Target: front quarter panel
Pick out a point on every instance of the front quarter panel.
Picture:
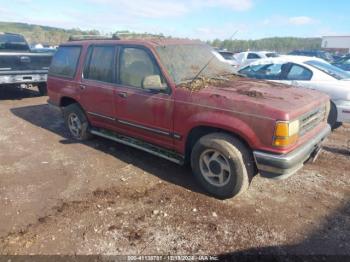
(191, 112)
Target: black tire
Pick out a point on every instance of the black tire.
(42, 89)
(74, 111)
(234, 153)
(333, 116)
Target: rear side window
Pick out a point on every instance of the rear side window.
(299, 73)
(100, 64)
(65, 61)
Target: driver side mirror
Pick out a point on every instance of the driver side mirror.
(153, 82)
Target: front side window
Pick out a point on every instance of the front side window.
(270, 71)
(65, 61)
(135, 65)
(100, 67)
(300, 73)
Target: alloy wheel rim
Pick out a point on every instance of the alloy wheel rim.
(74, 125)
(215, 167)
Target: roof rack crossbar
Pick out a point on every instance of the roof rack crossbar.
(138, 35)
(92, 37)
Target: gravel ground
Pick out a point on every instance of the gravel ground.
(58, 196)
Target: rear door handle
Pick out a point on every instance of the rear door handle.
(82, 87)
(123, 94)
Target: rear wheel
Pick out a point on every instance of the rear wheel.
(333, 116)
(76, 122)
(222, 164)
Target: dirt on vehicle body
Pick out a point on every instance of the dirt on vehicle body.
(60, 197)
(175, 99)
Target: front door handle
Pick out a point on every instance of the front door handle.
(123, 94)
(82, 87)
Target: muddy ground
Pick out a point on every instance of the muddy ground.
(58, 196)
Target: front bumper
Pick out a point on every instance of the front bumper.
(282, 166)
(343, 109)
(22, 79)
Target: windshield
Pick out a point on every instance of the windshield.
(344, 60)
(184, 62)
(329, 69)
(13, 42)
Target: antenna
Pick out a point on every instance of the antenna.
(233, 34)
(208, 63)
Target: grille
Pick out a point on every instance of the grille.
(312, 119)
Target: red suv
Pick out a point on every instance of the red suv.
(176, 100)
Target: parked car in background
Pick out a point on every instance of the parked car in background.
(313, 53)
(19, 66)
(226, 57)
(337, 57)
(174, 99)
(343, 63)
(245, 58)
(307, 72)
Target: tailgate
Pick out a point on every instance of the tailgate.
(24, 61)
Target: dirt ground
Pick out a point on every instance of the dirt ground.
(58, 196)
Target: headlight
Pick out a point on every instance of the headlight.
(286, 133)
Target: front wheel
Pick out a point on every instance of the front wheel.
(222, 164)
(76, 122)
(332, 117)
(42, 89)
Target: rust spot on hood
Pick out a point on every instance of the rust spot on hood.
(251, 93)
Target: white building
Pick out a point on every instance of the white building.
(336, 43)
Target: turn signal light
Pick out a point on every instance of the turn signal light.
(286, 133)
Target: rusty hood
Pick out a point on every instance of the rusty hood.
(262, 98)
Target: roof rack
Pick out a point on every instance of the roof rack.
(138, 35)
(117, 36)
(92, 37)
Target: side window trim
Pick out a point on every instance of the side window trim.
(87, 61)
(285, 71)
(88, 58)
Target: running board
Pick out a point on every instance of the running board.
(149, 148)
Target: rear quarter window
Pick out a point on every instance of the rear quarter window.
(65, 61)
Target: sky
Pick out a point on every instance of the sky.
(203, 19)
